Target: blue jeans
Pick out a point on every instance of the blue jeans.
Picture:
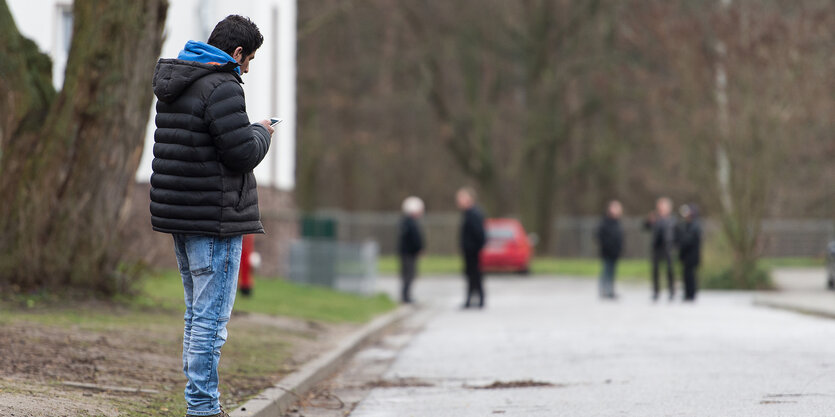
(209, 267)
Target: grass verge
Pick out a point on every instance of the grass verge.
(275, 297)
(137, 341)
(628, 269)
(451, 265)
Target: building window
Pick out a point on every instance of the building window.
(65, 27)
(61, 42)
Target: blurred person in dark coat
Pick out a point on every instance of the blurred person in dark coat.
(688, 238)
(661, 224)
(610, 239)
(472, 240)
(410, 244)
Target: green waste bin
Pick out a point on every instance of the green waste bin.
(318, 227)
(319, 233)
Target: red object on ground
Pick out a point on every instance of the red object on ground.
(245, 274)
(508, 248)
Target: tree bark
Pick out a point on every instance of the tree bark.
(68, 160)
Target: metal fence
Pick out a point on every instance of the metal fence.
(574, 236)
(344, 266)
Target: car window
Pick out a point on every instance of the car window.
(500, 233)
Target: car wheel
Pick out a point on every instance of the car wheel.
(524, 271)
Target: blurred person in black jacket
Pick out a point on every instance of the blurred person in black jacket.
(410, 245)
(472, 241)
(661, 224)
(610, 240)
(688, 238)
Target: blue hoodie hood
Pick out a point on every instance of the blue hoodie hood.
(173, 76)
(206, 54)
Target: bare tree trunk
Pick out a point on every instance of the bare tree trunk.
(744, 153)
(723, 163)
(538, 195)
(65, 180)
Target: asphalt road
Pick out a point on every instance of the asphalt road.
(719, 357)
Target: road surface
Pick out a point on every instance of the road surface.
(548, 347)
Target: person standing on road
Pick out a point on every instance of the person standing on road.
(661, 224)
(203, 190)
(688, 238)
(410, 245)
(472, 241)
(610, 240)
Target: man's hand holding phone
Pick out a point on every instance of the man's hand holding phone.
(271, 123)
(266, 123)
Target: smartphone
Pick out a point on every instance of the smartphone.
(274, 121)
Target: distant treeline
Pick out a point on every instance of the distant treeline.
(552, 108)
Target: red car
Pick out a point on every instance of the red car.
(508, 247)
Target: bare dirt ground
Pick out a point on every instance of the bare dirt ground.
(49, 369)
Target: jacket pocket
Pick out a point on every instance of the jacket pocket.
(243, 194)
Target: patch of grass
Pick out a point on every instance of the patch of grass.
(168, 404)
(451, 265)
(720, 269)
(254, 357)
(91, 316)
(275, 297)
(628, 269)
(792, 262)
(160, 303)
(723, 279)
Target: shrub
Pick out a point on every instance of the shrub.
(721, 271)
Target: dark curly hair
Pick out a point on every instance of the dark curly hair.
(235, 31)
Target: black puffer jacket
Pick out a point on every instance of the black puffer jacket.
(204, 153)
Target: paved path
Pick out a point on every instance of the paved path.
(719, 357)
(802, 290)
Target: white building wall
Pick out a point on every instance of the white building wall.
(42, 21)
(270, 85)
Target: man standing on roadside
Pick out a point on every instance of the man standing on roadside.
(662, 224)
(610, 239)
(473, 240)
(688, 238)
(203, 190)
(410, 245)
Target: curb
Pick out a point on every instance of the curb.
(273, 401)
(794, 308)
